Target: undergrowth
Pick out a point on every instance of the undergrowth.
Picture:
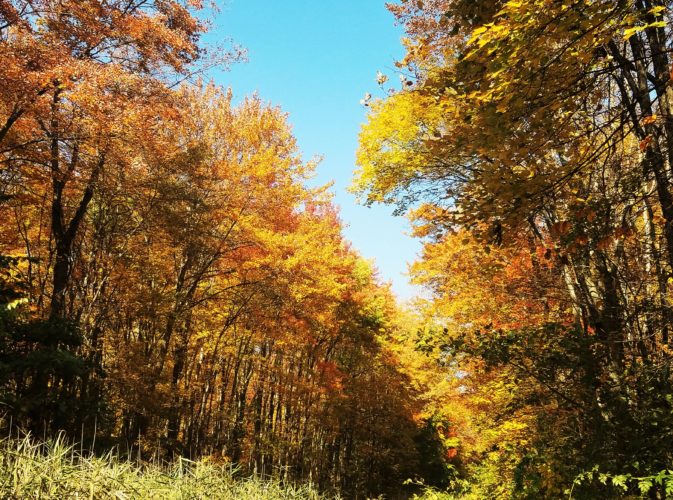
(56, 469)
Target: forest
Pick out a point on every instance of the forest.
(181, 315)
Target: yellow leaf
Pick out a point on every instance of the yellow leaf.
(628, 33)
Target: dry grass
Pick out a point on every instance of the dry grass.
(57, 470)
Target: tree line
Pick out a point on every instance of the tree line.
(532, 144)
(169, 284)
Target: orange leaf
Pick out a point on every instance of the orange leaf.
(649, 120)
(645, 143)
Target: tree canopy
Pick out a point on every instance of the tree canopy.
(531, 145)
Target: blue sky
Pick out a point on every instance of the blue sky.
(316, 59)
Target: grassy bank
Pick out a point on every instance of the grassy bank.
(57, 470)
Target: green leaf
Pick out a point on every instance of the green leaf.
(620, 481)
(644, 485)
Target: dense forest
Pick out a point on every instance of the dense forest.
(533, 147)
(174, 288)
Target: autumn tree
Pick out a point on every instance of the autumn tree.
(169, 282)
(76, 76)
(538, 133)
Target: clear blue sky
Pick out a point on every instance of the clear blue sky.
(317, 59)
